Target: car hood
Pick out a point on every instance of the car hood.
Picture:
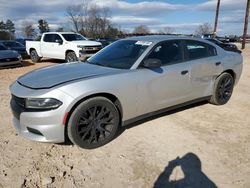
(18, 49)
(87, 43)
(8, 54)
(52, 76)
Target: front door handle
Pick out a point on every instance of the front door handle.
(217, 63)
(184, 72)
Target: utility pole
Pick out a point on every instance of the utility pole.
(245, 26)
(216, 18)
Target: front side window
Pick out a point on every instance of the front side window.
(73, 37)
(121, 54)
(167, 52)
(197, 50)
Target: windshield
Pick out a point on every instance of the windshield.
(121, 54)
(12, 44)
(73, 37)
(2, 47)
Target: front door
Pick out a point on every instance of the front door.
(167, 85)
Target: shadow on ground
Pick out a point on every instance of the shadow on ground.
(192, 170)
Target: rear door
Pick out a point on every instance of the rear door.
(205, 67)
(47, 49)
(165, 86)
(51, 48)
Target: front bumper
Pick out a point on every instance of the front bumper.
(10, 63)
(37, 125)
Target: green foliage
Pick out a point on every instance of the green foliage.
(43, 26)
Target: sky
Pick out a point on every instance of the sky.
(182, 15)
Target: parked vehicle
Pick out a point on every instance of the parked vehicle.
(23, 40)
(106, 41)
(62, 45)
(13, 45)
(9, 57)
(225, 46)
(128, 80)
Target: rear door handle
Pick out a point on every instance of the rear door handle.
(217, 63)
(184, 72)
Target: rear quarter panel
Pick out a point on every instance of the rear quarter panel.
(35, 45)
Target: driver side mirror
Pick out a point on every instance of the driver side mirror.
(152, 63)
(60, 42)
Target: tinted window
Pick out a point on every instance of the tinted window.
(168, 52)
(73, 37)
(121, 54)
(2, 47)
(48, 38)
(56, 37)
(196, 50)
(51, 37)
(12, 44)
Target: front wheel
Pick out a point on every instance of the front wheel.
(71, 57)
(34, 56)
(223, 89)
(93, 123)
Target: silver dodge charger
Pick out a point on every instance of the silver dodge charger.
(128, 80)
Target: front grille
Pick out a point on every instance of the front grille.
(8, 59)
(19, 101)
(92, 48)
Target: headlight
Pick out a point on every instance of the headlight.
(42, 103)
(19, 57)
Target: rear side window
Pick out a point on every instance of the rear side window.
(48, 38)
(197, 50)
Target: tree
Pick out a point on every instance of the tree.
(202, 29)
(2, 26)
(43, 26)
(28, 29)
(75, 14)
(141, 29)
(168, 30)
(60, 29)
(91, 20)
(10, 28)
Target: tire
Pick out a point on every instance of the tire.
(223, 89)
(93, 123)
(34, 56)
(71, 57)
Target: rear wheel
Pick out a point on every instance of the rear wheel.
(223, 89)
(71, 57)
(93, 123)
(34, 56)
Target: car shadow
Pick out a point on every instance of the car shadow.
(191, 167)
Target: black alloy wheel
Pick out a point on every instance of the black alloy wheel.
(93, 123)
(224, 85)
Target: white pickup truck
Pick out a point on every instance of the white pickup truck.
(62, 45)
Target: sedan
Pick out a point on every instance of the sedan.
(9, 57)
(225, 46)
(128, 80)
(13, 45)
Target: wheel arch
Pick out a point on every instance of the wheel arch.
(67, 51)
(231, 72)
(109, 96)
(31, 49)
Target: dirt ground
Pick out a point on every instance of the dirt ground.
(200, 144)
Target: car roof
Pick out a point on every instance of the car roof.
(159, 38)
(60, 33)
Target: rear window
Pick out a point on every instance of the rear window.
(197, 50)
